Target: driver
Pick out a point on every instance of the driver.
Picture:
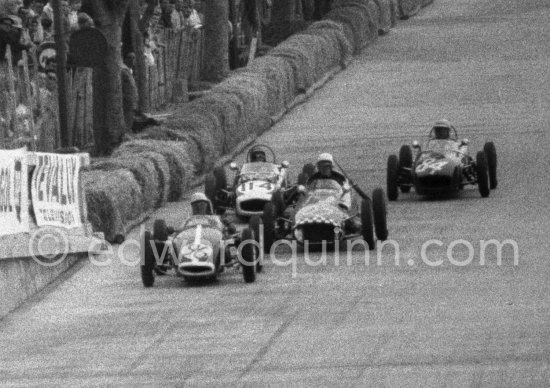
(201, 205)
(442, 130)
(325, 169)
(257, 156)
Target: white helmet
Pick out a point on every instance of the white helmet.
(325, 158)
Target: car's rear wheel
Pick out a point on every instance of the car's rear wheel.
(255, 225)
(367, 227)
(248, 258)
(491, 153)
(482, 174)
(302, 178)
(391, 178)
(379, 213)
(269, 218)
(210, 188)
(405, 161)
(148, 260)
(308, 169)
(160, 230)
(278, 202)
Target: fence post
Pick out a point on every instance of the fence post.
(30, 99)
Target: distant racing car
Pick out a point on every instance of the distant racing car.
(442, 167)
(201, 248)
(254, 183)
(325, 209)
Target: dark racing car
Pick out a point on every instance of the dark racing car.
(442, 167)
(324, 209)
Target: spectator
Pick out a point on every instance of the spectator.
(11, 33)
(129, 90)
(169, 16)
(74, 8)
(192, 17)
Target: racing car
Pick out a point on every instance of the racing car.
(201, 248)
(254, 183)
(325, 210)
(442, 167)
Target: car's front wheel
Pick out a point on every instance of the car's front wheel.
(248, 259)
(367, 227)
(482, 174)
(255, 224)
(147, 260)
(269, 218)
(391, 177)
(491, 153)
(379, 213)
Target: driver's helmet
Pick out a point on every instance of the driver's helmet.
(325, 163)
(442, 129)
(201, 205)
(257, 155)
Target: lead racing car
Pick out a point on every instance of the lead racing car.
(443, 167)
(254, 184)
(201, 248)
(325, 209)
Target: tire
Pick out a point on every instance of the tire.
(148, 264)
(278, 203)
(221, 178)
(491, 153)
(210, 188)
(405, 161)
(379, 213)
(482, 174)
(248, 257)
(269, 219)
(160, 230)
(308, 169)
(254, 225)
(367, 227)
(302, 179)
(391, 178)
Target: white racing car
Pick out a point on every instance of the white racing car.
(253, 186)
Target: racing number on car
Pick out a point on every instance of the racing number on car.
(431, 164)
(264, 185)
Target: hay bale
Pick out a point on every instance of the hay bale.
(335, 32)
(144, 172)
(385, 16)
(163, 173)
(408, 8)
(357, 20)
(252, 92)
(279, 80)
(293, 51)
(113, 198)
(176, 155)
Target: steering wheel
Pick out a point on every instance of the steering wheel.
(260, 147)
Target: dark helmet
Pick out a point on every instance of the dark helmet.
(442, 129)
(257, 156)
(200, 204)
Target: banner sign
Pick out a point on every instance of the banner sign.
(14, 197)
(55, 190)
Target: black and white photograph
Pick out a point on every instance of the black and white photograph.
(274, 193)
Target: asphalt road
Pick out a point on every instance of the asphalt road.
(484, 65)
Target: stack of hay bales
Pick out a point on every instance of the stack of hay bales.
(159, 166)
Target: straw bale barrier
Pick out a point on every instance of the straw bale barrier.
(163, 161)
